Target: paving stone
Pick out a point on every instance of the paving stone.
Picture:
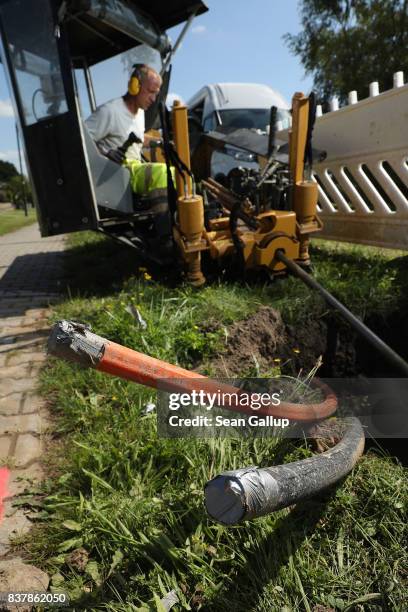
(37, 323)
(22, 321)
(4, 448)
(18, 576)
(30, 343)
(35, 369)
(29, 328)
(19, 385)
(24, 479)
(13, 509)
(11, 403)
(13, 308)
(37, 313)
(24, 356)
(12, 527)
(28, 447)
(32, 402)
(23, 423)
(15, 372)
(11, 321)
(8, 508)
(15, 522)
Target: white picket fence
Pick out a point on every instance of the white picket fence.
(363, 182)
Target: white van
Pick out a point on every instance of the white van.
(240, 105)
(237, 105)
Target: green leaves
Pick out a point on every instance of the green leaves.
(72, 525)
(69, 544)
(92, 570)
(116, 561)
(334, 47)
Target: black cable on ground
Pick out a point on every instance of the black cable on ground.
(251, 492)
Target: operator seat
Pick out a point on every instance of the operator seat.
(111, 182)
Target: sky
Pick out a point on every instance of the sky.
(235, 41)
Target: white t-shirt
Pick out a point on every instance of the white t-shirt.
(111, 124)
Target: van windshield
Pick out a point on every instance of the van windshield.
(257, 118)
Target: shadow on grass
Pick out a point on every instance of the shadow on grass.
(99, 266)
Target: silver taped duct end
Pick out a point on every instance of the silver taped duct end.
(75, 342)
(238, 495)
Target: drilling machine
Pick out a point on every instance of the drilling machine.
(240, 219)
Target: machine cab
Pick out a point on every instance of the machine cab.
(42, 43)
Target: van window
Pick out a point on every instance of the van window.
(209, 123)
(197, 111)
(257, 118)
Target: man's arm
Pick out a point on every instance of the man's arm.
(98, 123)
(151, 135)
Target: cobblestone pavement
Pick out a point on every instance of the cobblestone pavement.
(30, 280)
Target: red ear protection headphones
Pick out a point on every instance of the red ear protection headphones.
(135, 80)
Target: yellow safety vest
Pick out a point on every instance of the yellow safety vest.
(147, 178)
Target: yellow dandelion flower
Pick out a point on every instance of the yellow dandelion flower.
(296, 350)
(277, 360)
(147, 276)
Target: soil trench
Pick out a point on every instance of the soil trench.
(264, 341)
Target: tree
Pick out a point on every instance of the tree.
(7, 170)
(347, 44)
(18, 190)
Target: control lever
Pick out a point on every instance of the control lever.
(119, 155)
(131, 139)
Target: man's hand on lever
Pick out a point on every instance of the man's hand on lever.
(119, 155)
(116, 155)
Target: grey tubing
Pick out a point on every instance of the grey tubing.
(358, 325)
(248, 493)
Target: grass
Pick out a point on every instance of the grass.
(11, 220)
(134, 501)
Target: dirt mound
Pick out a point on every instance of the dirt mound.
(264, 341)
(255, 340)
